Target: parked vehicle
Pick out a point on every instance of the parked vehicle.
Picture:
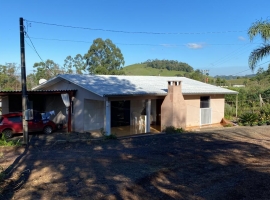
(12, 123)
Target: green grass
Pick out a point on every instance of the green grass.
(239, 81)
(141, 69)
(5, 142)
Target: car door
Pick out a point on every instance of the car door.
(36, 123)
(15, 122)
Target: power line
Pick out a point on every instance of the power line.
(136, 32)
(164, 45)
(37, 52)
(34, 47)
(249, 68)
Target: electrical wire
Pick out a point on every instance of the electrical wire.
(34, 47)
(37, 52)
(249, 68)
(171, 45)
(136, 32)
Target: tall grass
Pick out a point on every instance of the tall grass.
(5, 142)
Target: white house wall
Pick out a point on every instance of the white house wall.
(77, 119)
(136, 108)
(93, 115)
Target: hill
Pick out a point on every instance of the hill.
(143, 70)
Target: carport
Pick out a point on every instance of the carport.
(11, 101)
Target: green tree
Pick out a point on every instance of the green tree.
(76, 64)
(197, 75)
(68, 64)
(47, 69)
(9, 77)
(104, 57)
(263, 29)
(79, 63)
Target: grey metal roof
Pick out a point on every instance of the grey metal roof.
(113, 85)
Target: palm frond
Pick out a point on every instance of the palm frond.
(257, 55)
(260, 27)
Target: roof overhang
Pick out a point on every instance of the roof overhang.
(38, 92)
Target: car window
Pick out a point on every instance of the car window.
(1, 119)
(15, 119)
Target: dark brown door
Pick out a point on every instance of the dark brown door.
(158, 109)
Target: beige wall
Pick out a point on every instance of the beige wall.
(173, 108)
(217, 103)
(193, 110)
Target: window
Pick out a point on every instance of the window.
(205, 102)
(15, 119)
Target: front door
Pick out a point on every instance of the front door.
(158, 111)
(120, 113)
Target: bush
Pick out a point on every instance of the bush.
(229, 111)
(110, 137)
(4, 142)
(248, 118)
(172, 129)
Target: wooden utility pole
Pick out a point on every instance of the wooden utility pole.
(23, 80)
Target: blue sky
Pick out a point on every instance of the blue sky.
(207, 34)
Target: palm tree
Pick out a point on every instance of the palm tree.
(262, 28)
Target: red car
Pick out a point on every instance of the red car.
(12, 123)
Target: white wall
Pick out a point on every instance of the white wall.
(77, 117)
(93, 115)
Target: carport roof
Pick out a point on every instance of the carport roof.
(118, 85)
(4, 93)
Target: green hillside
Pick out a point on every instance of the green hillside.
(239, 81)
(143, 70)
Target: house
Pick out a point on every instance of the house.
(142, 103)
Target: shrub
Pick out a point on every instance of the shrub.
(229, 111)
(248, 118)
(5, 142)
(172, 129)
(110, 137)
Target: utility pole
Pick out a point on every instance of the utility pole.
(23, 80)
(205, 72)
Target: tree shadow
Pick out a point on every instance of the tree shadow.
(175, 166)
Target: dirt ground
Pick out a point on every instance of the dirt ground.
(225, 163)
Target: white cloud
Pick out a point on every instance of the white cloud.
(241, 38)
(194, 46)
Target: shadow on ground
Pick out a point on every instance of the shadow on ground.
(212, 165)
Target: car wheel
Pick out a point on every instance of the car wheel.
(7, 133)
(47, 130)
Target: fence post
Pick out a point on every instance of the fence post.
(236, 105)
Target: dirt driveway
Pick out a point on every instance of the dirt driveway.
(228, 163)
